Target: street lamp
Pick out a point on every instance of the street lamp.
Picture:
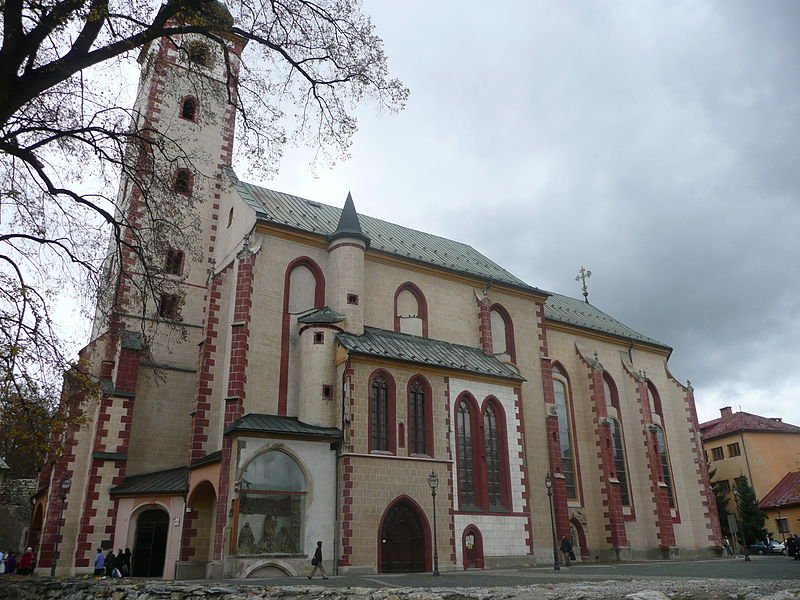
(65, 485)
(433, 483)
(548, 483)
(780, 523)
(744, 537)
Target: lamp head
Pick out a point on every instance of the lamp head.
(548, 482)
(433, 480)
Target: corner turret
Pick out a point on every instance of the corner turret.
(346, 247)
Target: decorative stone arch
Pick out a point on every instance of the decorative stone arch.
(472, 547)
(422, 305)
(418, 546)
(270, 568)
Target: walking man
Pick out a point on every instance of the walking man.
(317, 562)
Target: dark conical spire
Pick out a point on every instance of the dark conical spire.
(349, 225)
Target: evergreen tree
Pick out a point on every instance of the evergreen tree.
(751, 518)
(722, 497)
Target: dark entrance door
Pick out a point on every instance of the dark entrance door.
(403, 544)
(473, 548)
(150, 547)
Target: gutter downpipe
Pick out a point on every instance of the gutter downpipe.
(336, 531)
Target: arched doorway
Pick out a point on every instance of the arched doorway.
(578, 539)
(472, 546)
(150, 547)
(199, 522)
(405, 540)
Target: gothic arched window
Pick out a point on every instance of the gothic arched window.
(381, 412)
(465, 453)
(410, 310)
(420, 417)
(272, 496)
(617, 438)
(564, 416)
(495, 452)
(666, 470)
(502, 333)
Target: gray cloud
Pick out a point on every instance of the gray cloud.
(656, 143)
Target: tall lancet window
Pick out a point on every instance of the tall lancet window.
(420, 417)
(465, 454)
(564, 416)
(666, 470)
(617, 438)
(379, 413)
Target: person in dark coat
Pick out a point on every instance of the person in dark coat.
(566, 549)
(11, 563)
(110, 563)
(119, 561)
(128, 560)
(317, 562)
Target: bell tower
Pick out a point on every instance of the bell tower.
(144, 342)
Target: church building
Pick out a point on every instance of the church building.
(344, 379)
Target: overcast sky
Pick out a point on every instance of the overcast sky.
(656, 143)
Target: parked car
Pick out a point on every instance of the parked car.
(773, 548)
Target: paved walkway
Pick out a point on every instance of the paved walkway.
(771, 568)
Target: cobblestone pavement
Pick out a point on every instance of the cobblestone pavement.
(763, 578)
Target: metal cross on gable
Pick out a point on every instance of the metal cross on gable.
(583, 275)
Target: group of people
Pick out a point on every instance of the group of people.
(110, 565)
(10, 565)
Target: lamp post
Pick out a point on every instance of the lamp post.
(433, 483)
(65, 485)
(548, 483)
(744, 537)
(780, 523)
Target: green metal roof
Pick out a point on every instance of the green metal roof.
(278, 425)
(424, 351)
(582, 314)
(169, 482)
(208, 459)
(298, 213)
(322, 315)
